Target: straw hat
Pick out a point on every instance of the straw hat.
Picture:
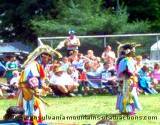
(58, 69)
(139, 58)
(39, 51)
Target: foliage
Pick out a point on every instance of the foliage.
(15, 17)
(87, 17)
(144, 10)
(26, 20)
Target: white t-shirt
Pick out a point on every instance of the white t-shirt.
(64, 79)
(73, 43)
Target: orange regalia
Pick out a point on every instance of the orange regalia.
(31, 86)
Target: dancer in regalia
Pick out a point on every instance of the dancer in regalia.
(32, 84)
(127, 100)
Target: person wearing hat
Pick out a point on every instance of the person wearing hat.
(32, 83)
(72, 42)
(62, 83)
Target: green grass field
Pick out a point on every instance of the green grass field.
(99, 105)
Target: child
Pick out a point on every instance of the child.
(73, 73)
(12, 88)
(156, 73)
(109, 78)
(145, 81)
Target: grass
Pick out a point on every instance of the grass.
(99, 105)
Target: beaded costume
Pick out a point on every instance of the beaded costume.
(127, 100)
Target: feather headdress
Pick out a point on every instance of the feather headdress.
(39, 50)
(127, 47)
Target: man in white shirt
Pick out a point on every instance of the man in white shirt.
(72, 42)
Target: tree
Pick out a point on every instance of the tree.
(27, 19)
(87, 17)
(144, 10)
(16, 17)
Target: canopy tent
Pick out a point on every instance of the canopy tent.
(155, 51)
(14, 47)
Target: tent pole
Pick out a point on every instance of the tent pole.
(104, 42)
(158, 53)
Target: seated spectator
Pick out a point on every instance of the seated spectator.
(93, 75)
(96, 65)
(62, 83)
(108, 55)
(65, 64)
(83, 84)
(139, 64)
(145, 82)
(12, 88)
(90, 55)
(78, 63)
(109, 78)
(14, 83)
(73, 73)
(54, 65)
(145, 59)
(74, 56)
(87, 67)
(155, 74)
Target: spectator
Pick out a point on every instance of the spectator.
(87, 67)
(78, 63)
(72, 42)
(96, 65)
(139, 64)
(90, 55)
(156, 73)
(12, 88)
(11, 66)
(65, 63)
(109, 78)
(145, 81)
(73, 73)
(108, 55)
(83, 83)
(62, 84)
(74, 56)
(145, 59)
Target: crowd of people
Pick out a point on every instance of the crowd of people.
(9, 69)
(78, 74)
